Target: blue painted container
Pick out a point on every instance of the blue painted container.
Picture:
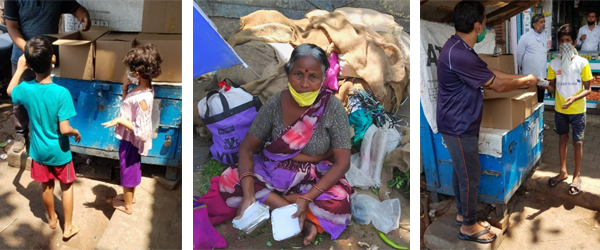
(501, 177)
(97, 102)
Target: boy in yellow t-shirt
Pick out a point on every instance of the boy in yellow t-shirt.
(569, 77)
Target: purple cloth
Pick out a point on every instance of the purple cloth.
(461, 75)
(130, 163)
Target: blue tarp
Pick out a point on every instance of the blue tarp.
(211, 52)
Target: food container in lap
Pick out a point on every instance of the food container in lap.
(254, 216)
(284, 227)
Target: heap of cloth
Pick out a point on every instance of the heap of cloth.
(371, 46)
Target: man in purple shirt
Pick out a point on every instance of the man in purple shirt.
(461, 78)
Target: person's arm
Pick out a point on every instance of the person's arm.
(337, 171)
(521, 46)
(11, 15)
(16, 79)
(586, 91)
(579, 41)
(124, 122)
(504, 82)
(259, 131)
(551, 77)
(83, 16)
(67, 130)
(333, 175)
(249, 146)
(15, 34)
(125, 88)
(586, 76)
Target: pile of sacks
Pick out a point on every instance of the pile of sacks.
(266, 39)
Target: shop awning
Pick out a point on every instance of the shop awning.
(496, 11)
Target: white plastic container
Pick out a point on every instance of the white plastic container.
(543, 83)
(284, 227)
(254, 216)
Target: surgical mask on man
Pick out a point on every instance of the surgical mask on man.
(481, 36)
(567, 51)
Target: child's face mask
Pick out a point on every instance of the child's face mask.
(133, 80)
(567, 51)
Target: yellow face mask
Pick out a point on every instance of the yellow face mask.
(303, 99)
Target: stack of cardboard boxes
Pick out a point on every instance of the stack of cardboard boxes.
(98, 53)
(506, 110)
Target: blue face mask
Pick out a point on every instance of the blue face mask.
(480, 37)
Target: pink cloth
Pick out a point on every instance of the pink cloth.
(141, 136)
(331, 82)
(218, 211)
(205, 235)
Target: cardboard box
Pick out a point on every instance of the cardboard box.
(77, 53)
(490, 94)
(162, 16)
(508, 113)
(170, 49)
(110, 51)
(118, 15)
(504, 63)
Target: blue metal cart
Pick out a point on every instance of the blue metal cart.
(98, 101)
(502, 174)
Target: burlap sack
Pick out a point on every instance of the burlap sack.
(258, 55)
(384, 63)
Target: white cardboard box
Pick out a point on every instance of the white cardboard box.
(118, 15)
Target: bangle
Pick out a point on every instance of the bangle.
(304, 198)
(246, 175)
(321, 190)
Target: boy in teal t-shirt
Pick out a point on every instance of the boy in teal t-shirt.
(49, 107)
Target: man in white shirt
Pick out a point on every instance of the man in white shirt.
(532, 50)
(589, 35)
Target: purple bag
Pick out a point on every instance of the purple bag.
(229, 127)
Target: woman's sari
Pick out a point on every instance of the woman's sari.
(275, 171)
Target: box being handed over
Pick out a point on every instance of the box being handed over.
(508, 113)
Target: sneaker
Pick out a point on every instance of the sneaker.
(19, 143)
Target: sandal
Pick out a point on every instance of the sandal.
(459, 223)
(553, 182)
(475, 237)
(577, 188)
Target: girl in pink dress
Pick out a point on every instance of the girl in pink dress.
(134, 124)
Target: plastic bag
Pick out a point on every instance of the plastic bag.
(365, 168)
(394, 139)
(384, 215)
(235, 97)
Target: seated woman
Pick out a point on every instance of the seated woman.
(306, 151)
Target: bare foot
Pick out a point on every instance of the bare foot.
(72, 231)
(476, 228)
(311, 230)
(482, 222)
(120, 198)
(120, 205)
(52, 221)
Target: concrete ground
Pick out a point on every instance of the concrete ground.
(156, 222)
(542, 217)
